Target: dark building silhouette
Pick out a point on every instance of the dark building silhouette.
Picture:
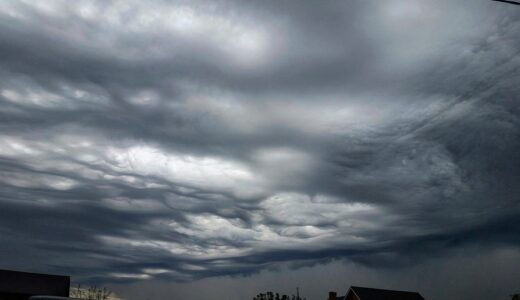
(362, 293)
(16, 285)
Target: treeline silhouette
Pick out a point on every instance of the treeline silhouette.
(91, 293)
(276, 296)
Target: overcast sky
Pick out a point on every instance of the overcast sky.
(217, 149)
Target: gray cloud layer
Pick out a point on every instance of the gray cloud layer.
(184, 140)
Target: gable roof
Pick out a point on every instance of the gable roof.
(378, 294)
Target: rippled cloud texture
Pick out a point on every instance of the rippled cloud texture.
(183, 140)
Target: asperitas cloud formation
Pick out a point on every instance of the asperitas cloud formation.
(181, 140)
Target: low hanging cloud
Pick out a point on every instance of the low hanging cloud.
(186, 140)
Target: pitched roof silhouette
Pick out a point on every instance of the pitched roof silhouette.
(364, 293)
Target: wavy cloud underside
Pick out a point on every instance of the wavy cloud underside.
(186, 140)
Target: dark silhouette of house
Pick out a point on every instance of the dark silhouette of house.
(362, 293)
(16, 285)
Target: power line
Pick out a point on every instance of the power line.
(507, 1)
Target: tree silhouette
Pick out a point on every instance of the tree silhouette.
(90, 293)
(269, 295)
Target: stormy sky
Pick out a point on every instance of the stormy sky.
(217, 149)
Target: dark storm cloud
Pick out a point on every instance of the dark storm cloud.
(184, 140)
(453, 277)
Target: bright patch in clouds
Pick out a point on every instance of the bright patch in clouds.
(191, 170)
